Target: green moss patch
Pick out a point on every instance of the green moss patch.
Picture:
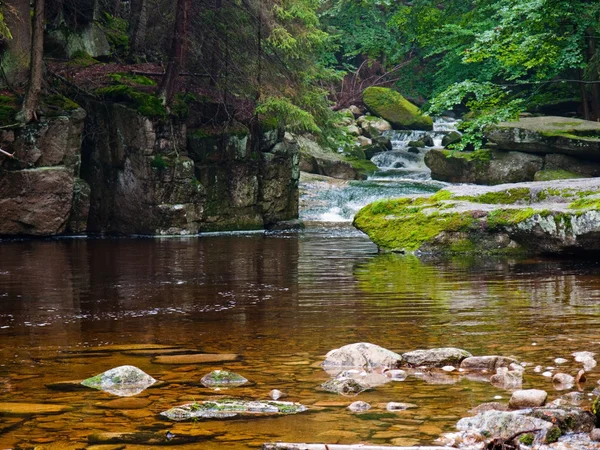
(482, 155)
(391, 106)
(549, 175)
(59, 102)
(131, 79)
(507, 197)
(586, 203)
(147, 105)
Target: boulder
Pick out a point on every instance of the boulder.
(344, 386)
(528, 398)
(124, 381)
(558, 217)
(435, 357)
(362, 355)
(364, 141)
(451, 138)
(353, 130)
(391, 106)
(490, 363)
(570, 164)
(373, 126)
(222, 378)
(562, 381)
(374, 149)
(560, 174)
(220, 409)
(355, 110)
(548, 134)
(383, 141)
(502, 424)
(489, 167)
(315, 159)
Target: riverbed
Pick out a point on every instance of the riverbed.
(73, 308)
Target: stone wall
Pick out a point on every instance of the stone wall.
(41, 193)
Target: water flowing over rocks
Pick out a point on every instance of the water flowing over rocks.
(218, 409)
(123, 381)
(560, 217)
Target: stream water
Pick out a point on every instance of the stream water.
(73, 308)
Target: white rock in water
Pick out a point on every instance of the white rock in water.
(276, 394)
(124, 381)
(547, 374)
(396, 374)
(582, 356)
(359, 406)
(538, 369)
(560, 360)
(448, 368)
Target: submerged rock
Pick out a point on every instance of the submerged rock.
(123, 381)
(344, 386)
(435, 357)
(560, 217)
(359, 406)
(507, 379)
(362, 355)
(219, 409)
(222, 378)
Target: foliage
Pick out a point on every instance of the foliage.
(147, 105)
(131, 79)
(283, 113)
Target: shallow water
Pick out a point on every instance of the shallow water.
(280, 302)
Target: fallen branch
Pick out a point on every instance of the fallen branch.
(10, 155)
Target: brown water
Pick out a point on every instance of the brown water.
(280, 302)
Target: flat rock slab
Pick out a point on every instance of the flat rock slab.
(125, 403)
(292, 446)
(435, 357)
(28, 409)
(199, 358)
(151, 437)
(220, 409)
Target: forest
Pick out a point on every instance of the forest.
(296, 62)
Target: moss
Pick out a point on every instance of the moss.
(180, 107)
(507, 197)
(527, 439)
(553, 434)
(9, 107)
(586, 203)
(146, 104)
(391, 106)
(482, 155)
(507, 217)
(82, 59)
(549, 175)
(441, 195)
(363, 166)
(131, 79)
(61, 102)
(115, 30)
(406, 224)
(160, 163)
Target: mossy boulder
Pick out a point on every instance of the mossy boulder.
(483, 166)
(318, 160)
(391, 106)
(225, 408)
(549, 134)
(558, 217)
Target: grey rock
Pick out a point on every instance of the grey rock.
(220, 409)
(399, 406)
(436, 357)
(507, 379)
(595, 435)
(527, 398)
(359, 406)
(486, 362)
(222, 378)
(344, 386)
(451, 138)
(124, 381)
(502, 424)
(563, 381)
(362, 355)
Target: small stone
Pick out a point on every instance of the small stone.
(359, 406)
(398, 406)
(547, 374)
(276, 394)
(124, 381)
(580, 377)
(222, 378)
(595, 435)
(538, 369)
(563, 381)
(448, 368)
(396, 374)
(527, 398)
(560, 360)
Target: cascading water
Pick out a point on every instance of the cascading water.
(402, 171)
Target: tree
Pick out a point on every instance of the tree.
(17, 39)
(34, 87)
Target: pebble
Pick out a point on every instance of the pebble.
(448, 368)
(359, 406)
(538, 369)
(547, 374)
(560, 360)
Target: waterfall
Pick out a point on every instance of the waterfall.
(402, 171)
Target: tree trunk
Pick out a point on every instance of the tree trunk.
(593, 76)
(15, 63)
(32, 95)
(167, 86)
(139, 15)
(584, 100)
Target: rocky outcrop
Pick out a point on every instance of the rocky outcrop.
(41, 193)
(391, 106)
(559, 217)
(549, 134)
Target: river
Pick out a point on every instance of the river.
(73, 308)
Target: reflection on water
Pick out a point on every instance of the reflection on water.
(280, 302)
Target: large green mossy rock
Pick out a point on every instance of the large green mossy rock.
(557, 217)
(391, 106)
(547, 135)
